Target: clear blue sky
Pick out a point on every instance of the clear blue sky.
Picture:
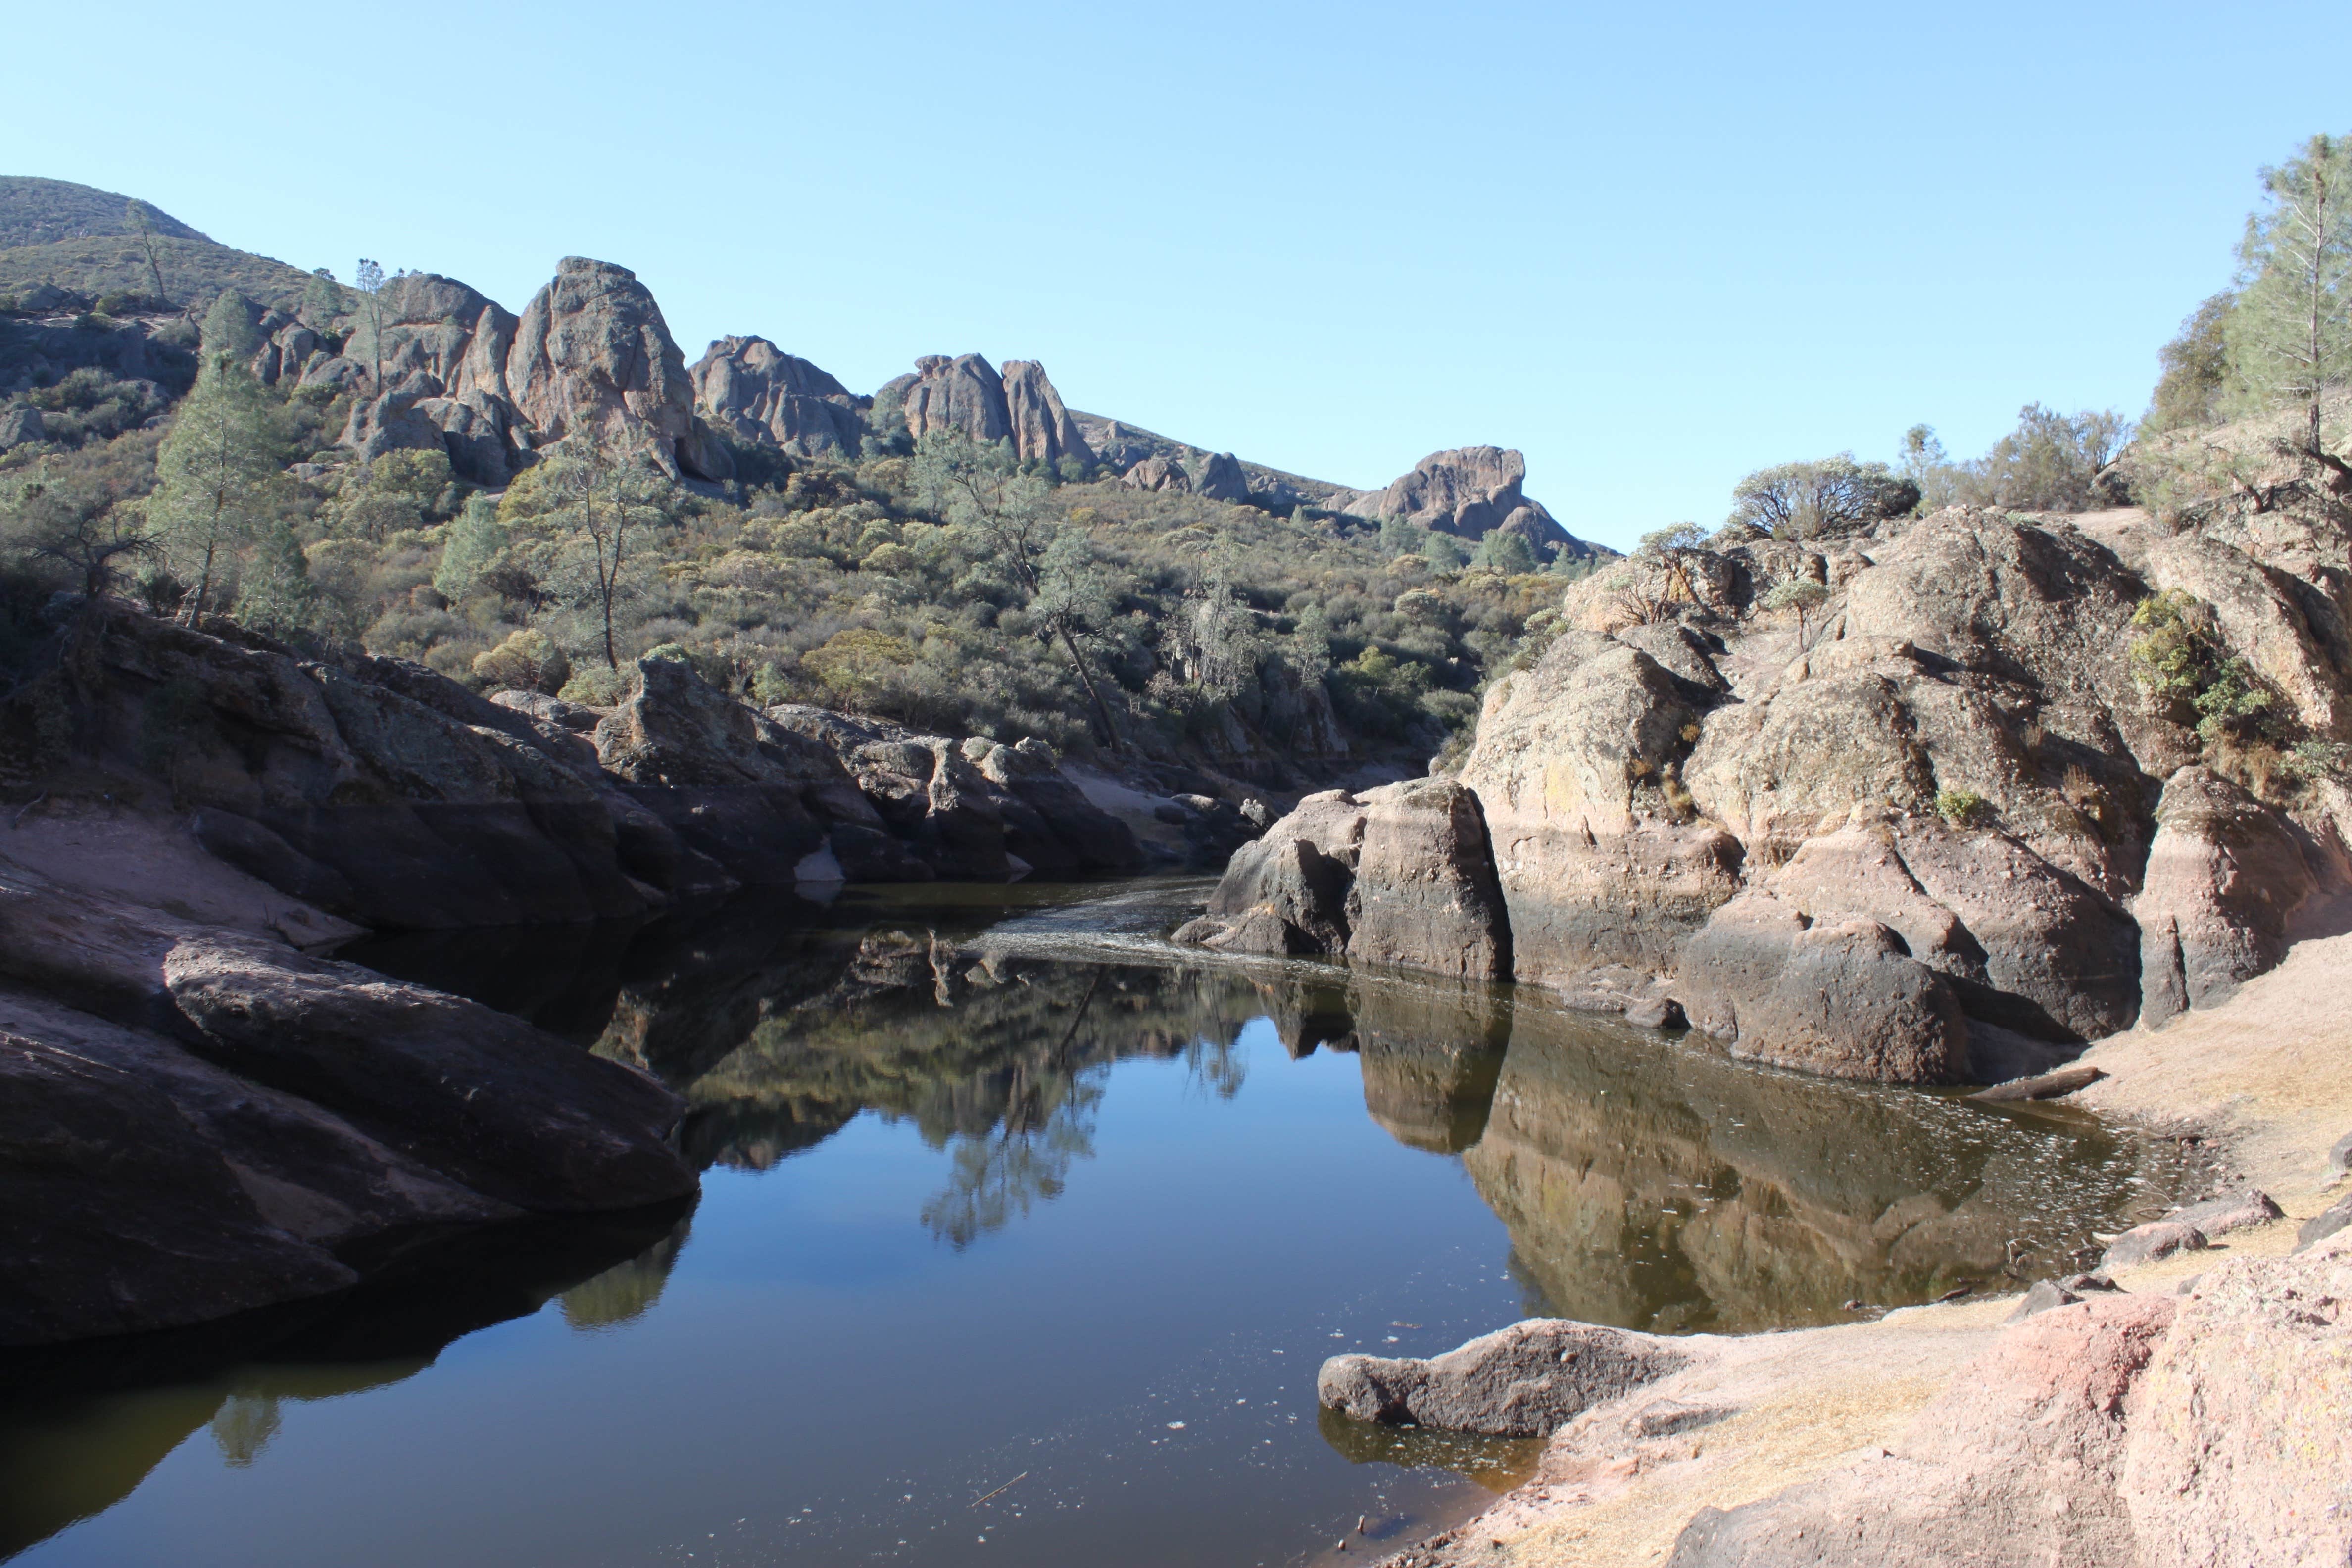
(1654, 247)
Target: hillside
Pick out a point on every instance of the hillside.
(83, 240)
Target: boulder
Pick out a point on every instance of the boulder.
(1157, 473)
(2151, 1242)
(2231, 1211)
(1401, 875)
(2015, 1465)
(21, 426)
(591, 352)
(2054, 1085)
(2224, 878)
(1843, 998)
(1526, 1381)
(1220, 478)
(758, 394)
(198, 1123)
(2043, 1295)
(1042, 430)
(2237, 1451)
(2329, 1221)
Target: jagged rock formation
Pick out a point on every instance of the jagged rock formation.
(1469, 493)
(590, 353)
(1935, 831)
(1019, 406)
(200, 1121)
(754, 389)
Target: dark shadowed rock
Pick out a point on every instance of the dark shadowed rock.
(1524, 1381)
(1220, 478)
(2337, 1216)
(2044, 1294)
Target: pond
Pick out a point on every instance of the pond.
(1022, 1237)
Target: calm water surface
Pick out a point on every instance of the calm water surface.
(1022, 1237)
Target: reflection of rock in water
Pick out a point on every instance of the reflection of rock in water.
(1429, 1052)
(1659, 1187)
(1498, 1463)
(626, 1291)
(243, 1426)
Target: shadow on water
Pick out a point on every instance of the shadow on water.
(1644, 1181)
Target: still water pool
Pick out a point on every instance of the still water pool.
(1020, 1239)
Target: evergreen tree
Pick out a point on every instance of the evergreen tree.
(2290, 336)
(217, 475)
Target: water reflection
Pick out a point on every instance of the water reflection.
(1645, 1183)
(1642, 1181)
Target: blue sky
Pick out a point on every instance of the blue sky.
(1654, 247)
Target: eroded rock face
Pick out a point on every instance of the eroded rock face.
(761, 393)
(1043, 429)
(452, 370)
(2225, 878)
(1468, 492)
(1400, 875)
(1524, 1381)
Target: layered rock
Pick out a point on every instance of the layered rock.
(590, 353)
(2225, 877)
(1401, 875)
(758, 394)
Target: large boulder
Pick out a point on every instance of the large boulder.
(757, 392)
(1220, 478)
(2225, 877)
(1042, 430)
(200, 1122)
(1526, 1381)
(1403, 875)
(592, 352)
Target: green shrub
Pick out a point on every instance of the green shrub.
(528, 660)
(1963, 807)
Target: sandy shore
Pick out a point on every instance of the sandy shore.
(2263, 1078)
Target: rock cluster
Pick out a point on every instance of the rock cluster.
(1018, 407)
(1933, 831)
(759, 394)
(453, 371)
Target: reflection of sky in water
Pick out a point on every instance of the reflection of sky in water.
(1004, 1255)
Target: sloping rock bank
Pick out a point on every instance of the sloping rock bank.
(1897, 806)
(197, 1122)
(2125, 1429)
(388, 796)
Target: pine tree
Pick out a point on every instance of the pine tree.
(2290, 336)
(218, 474)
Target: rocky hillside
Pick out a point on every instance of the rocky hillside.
(1936, 800)
(85, 245)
